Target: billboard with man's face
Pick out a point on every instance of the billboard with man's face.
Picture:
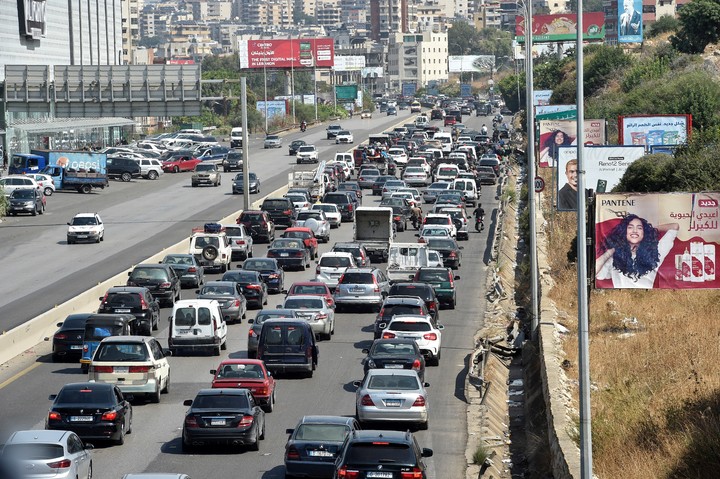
(630, 22)
(657, 240)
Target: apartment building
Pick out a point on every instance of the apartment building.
(417, 58)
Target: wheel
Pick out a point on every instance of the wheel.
(166, 389)
(90, 471)
(85, 189)
(129, 429)
(155, 397)
(255, 446)
(262, 432)
(185, 446)
(126, 177)
(194, 185)
(56, 358)
(223, 346)
(48, 191)
(155, 325)
(423, 426)
(176, 169)
(216, 351)
(270, 406)
(225, 170)
(98, 239)
(121, 439)
(152, 175)
(34, 212)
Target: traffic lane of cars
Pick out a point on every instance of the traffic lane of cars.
(155, 445)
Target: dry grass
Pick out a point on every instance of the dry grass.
(656, 395)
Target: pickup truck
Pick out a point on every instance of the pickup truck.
(211, 247)
(374, 229)
(206, 174)
(404, 260)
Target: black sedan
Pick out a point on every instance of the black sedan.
(449, 249)
(423, 291)
(289, 253)
(67, 342)
(91, 410)
(253, 287)
(377, 186)
(394, 353)
(293, 148)
(314, 443)
(269, 270)
(225, 416)
(239, 188)
(187, 267)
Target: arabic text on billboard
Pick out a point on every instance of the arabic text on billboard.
(654, 130)
(272, 107)
(295, 53)
(348, 63)
(558, 28)
(657, 240)
(630, 21)
(408, 89)
(556, 133)
(470, 63)
(541, 97)
(556, 112)
(604, 167)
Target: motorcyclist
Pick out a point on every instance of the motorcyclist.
(416, 215)
(303, 125)
(484, 130)
(479, 214)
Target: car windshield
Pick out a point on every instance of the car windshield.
(326, 208)
(309, 289)
(322, 432)
(23, 194)
(221, 401)
(439, 243)
(303, 303)
(391, 381)
(437, 220)
(259, 265)
(277, 204)
(305, 215)
(84, 221)
(335, 262)
(85, 395)
(121, 352)
(241, 371)
(357, 278)
(178, 259)
(218, 290)
(391, 349)
(33, 452)
(205, 167)
(251, 217)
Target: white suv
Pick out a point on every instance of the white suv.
(211, 247)
(150, 168)
(426, 333)
(307, 153)
(86, 227)
(332, 266)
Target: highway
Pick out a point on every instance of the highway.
(144, 217)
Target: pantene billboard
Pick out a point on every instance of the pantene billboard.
(657, 240)
(295, 53)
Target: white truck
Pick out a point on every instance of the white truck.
(236, 137)
(310, 180)
(374, 229)
(404, 259)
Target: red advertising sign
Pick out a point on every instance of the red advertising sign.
(563, 27)
(657, 240)
(295, 53)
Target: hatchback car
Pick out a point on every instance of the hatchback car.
(224, 416)
(332, 266)
(360, 287)
(361, 255)
(257, 322)
(67, 342)
(315, 310)
(134, 300)
(422, 291)
(398, 305)
(395, 395)
(42, 454)
(290, 253)
(443, 282)
(259, 224)
(332, 131)
(187, 267)
(270, 271)
(332, 212)
(294, 145)
(306, 235)
(422, 329)
(314, 443)
(161, 279)
(311, 288)
(279, 209)
(449, 249)
(26, 201)
(249, 374)
(233, 161)
(86, 227)
(92, 411)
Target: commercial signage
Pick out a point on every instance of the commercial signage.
(465, 90)
(32, 18)
(657, 240)
(471, 63)
(556, 133)
(604, 167)
(272, 108)
(541, 97)
(654, 130)
(372, 72)
(295, 53)
(348, 63)
(544, 112)
(561, 28)
(346, 92)
(630, 21)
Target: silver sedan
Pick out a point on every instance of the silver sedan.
(395, 395)
(229, 294)
(315, 310)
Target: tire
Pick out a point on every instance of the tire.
(256, 445)
(216, 351)
(176, 169)
(152, 175)
(34, 212)
(166, 389)
(121, 440)
(423, 426)
(125, 177)
(85, 189)
(262, 432)
(90, 471)
(48, 191)
(185, 446)
(223, 346)
(209, 253)
(56, 358)
(155, 397)
(155, 325)
(129, 429)
(270, 406)
(102, 236)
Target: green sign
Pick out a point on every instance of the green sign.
(558, 115)
(346, 92)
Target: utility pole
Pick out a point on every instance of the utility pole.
(246, 145)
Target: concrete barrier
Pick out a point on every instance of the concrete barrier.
(34, 331)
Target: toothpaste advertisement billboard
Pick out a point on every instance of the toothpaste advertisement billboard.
(654, 130)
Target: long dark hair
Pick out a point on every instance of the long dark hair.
(552, 147)
(646, 256)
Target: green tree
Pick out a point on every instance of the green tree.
(512, 90)
(462, 39)
(664, 24)
(588, 6)
(603, 65)
(699, 26)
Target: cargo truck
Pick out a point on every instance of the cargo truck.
(374, 229)
(73, 170)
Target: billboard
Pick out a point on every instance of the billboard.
(471, 63)
(346, 92)
(604, 167)
(409, 89)
(349, 63)
(630, 24)
(372, 72)
(556, 133)
(465, 90)
(541, 97)
(657, 240)
(273, 108)
(295, 53)
(555, 112)
(653, 130)
(560, 28)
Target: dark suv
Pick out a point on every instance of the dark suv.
(124, 168)
(162, 281)
(132, 300)
(393, 452)
(423, 291)
(259, 224)
(398, 305)
(280, 210)
(345, 204)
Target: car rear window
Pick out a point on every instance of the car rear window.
(399, 309)
(410, 326)
(433, 276)
(224, 401)
(303, 303)
(85, 395)
(253, 217)
(357, 278)
(322, 432)
(275, 204)
(150, 273)
(391, 381)
(233, 231)
(121, 352)
(219, 290)
(240, 277)
(33, 451)
(437, 220)
(333, 198)
(409, 290)
(335, 262)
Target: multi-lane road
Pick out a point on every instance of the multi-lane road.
(141, 218)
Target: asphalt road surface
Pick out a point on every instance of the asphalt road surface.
(145, 216)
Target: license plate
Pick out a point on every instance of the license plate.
(357, 290)
(284, 255)
(76, 346)
(393, 366)
(217, 422)
(321, 454)
(82, 236)
(122, 310)
(81, 418)
(380, 474)
(120, 369)
(393, 402)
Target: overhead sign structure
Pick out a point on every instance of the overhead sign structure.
(561, 28)
(294, 53)
(657, 240)
(471, 63)
(554, 134)
(654, 130)
(630, 21)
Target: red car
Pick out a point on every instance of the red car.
(305, 234)
(250, 374)
(312, 288)
(180, 163)
(449, 120)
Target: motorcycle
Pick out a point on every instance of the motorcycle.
(479, 223)
(303, 127)
(416, 221)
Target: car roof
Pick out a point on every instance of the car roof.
(222, 392)
(128, 289)
(80, 215)
(391, 372)
(392, 300)
(326, 420)
(242, 361)
(37, 436)
(127, 339)
(308, 283)
(337, 254)
(88, 385)
(416, 318)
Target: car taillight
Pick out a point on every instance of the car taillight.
(143, 303)
(191, 421)
(246, 421)
(452, 255)
(321, 316)
(388, 335)
(237, 303)
(287, 212)
(254, 286)
(262, 391)
(416, 473)
(421, 240)
(396, 218)
(54, 416)
(109, 416)
(64, 464)
(341, 279)
(431, 305)
(138, 369)
(251, 333)
(430, 336)
(292, 453)
(214, 324)
(165, 285)
(317, 269)
(351, 207)
(60, 336)
(366, 401)
(102, 369)
(345, 473)
(240, 242)
(192, 269)
(416, 364)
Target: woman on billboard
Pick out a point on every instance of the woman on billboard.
(632, 252)
(550, 147)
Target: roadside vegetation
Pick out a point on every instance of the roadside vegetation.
(654, 356)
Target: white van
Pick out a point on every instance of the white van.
(197, 324)
(447, 172)
(346, 158)
(445, 138)
(236, 136)
(469, 187)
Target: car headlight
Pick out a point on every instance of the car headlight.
(28, 203)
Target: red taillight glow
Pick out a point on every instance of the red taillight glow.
(251, 334)
(420, 401)
(366, 401)
(317, 269)
(103, 369)
(61, 336)
(54, 416)
(287, 212)
(246, 421)
(109, 416)
(138, 369)
(416, 364)
(165, 285)
(345, 473)
(191, 421)
(262, 391)
(143, 303)
(452, 255)
(240, 242)
(254, 286)
(192, 269)
(430, 336)
(388, 335)
(416, 473)
(292, 453)
(64, 464)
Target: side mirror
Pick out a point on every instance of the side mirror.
(187, 402)
(169, 318)
(279, 306)
(213, 371)
(100, 298)
(167, 352)
(52, 397)
(88, 446)
(461, 247)
(426, 385)
(456, 277)
(197, 291)
(366, 351)
(426, 452)
(239, 266)
(284, 291)
(250, 321)
(129, 397)
(289, 431)
(440, 326)
(129, 273)
(59, 324)
(357, 383)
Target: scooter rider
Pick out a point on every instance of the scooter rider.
(303, 125)
(416, 217)
(479, 214)
(484, 130)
